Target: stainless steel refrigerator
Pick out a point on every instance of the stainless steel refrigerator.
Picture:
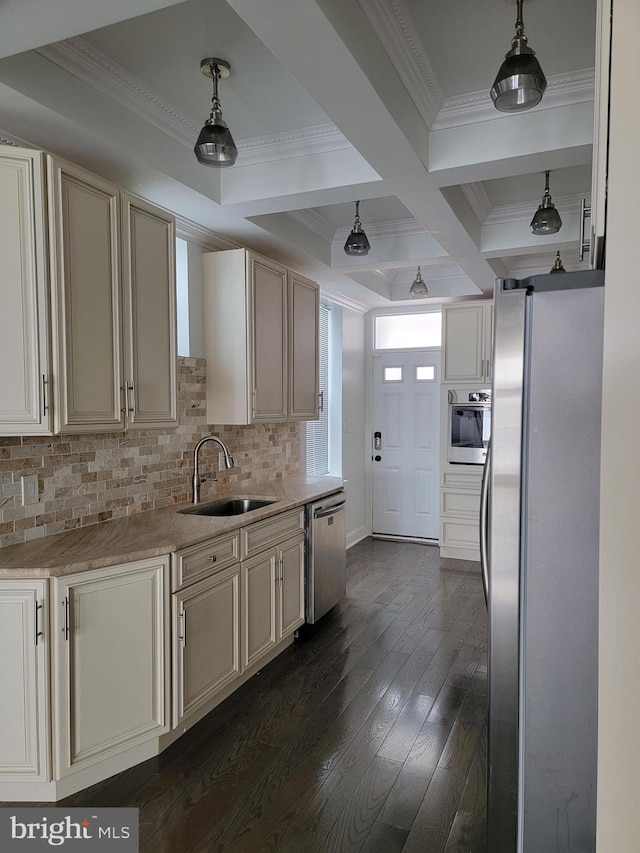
(539, 541)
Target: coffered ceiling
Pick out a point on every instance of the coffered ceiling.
(329, 101)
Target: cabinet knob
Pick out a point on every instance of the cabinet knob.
(213, 558)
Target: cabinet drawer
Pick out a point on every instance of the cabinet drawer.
(460, 503)
(459, 534)
(198, 561)
(463, 479)
(263, 534)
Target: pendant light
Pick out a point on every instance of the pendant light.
(520, 83)
(418, 288)
(215, 145)
(357, 242)
(557, 266)
(546, 219)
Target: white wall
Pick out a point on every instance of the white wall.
(619, 677)
(353, 422)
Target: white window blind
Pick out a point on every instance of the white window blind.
(317, 438)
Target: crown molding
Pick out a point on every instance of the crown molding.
(392, 24)
(7, 138)
(504, 213)
(343, 301)
(563, 90)
(522, 266)
(83, 60)
(319, 139)
(194, 233)
(430, 273)
(380, 230)
(316, 222)
(478, 199)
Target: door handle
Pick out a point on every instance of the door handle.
(377, 441)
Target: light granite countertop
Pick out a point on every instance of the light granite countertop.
(152, 533)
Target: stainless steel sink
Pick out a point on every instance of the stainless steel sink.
(236, 506)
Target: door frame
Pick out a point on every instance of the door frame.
(370, 354)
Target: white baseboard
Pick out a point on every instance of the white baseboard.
(355, 536)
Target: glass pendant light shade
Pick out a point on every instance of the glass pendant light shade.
(546, 219)
(215, 145)
(557, 266)
(520, 83)
(418, 288)
(357, 242)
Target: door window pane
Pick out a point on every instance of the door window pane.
(425, 373)
(393, 374)
(405, 331)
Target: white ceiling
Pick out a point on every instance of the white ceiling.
(329, 101)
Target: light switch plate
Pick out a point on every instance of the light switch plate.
(30, 493)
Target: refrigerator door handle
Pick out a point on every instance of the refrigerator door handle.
(484, 524)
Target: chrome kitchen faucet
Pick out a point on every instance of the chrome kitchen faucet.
(197, 479)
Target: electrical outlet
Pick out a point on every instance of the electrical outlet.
(287, 450)
(221, 465)
(30, 494)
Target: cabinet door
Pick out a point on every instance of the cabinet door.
(87, 297)
(206, 640)
(303, 349)
(488, 342)
(463, 328)
(24, 319)
(148, 264)
(600, 159)
(259, 578)
(290, 587)
(268, 339)
(110, 661)
(24, 701)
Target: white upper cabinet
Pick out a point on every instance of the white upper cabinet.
(261, 340)
(148, 273)
(304, 389)
(467, 340)
(87, 300)
(24, 321)
(100, 305)
(600, 135)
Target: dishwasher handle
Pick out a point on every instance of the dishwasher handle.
(331, 510)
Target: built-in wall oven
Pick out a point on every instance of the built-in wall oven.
(469, 426)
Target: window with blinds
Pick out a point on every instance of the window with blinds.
(317, 437)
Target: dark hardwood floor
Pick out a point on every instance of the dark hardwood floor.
(368, 734)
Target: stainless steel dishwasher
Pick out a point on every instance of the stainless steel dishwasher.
(326, 570)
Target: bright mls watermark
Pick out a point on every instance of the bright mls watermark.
(69, 829)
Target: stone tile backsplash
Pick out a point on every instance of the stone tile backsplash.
(86, 479)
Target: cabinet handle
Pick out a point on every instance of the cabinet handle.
(183, 638)
(132, 402)
(585, 245)
(45, 405)
(321, 401)
(254, 395)
(38, 633)
(123, 390)
(66, 614)
(213, 558)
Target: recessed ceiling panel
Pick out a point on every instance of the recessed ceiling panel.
(163, 50)
(466, 40)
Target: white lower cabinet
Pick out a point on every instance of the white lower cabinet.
(460, 513)
(273, 597)
(206, 644)
(110, 662)
(24, 670)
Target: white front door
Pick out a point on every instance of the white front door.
(405, 442)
